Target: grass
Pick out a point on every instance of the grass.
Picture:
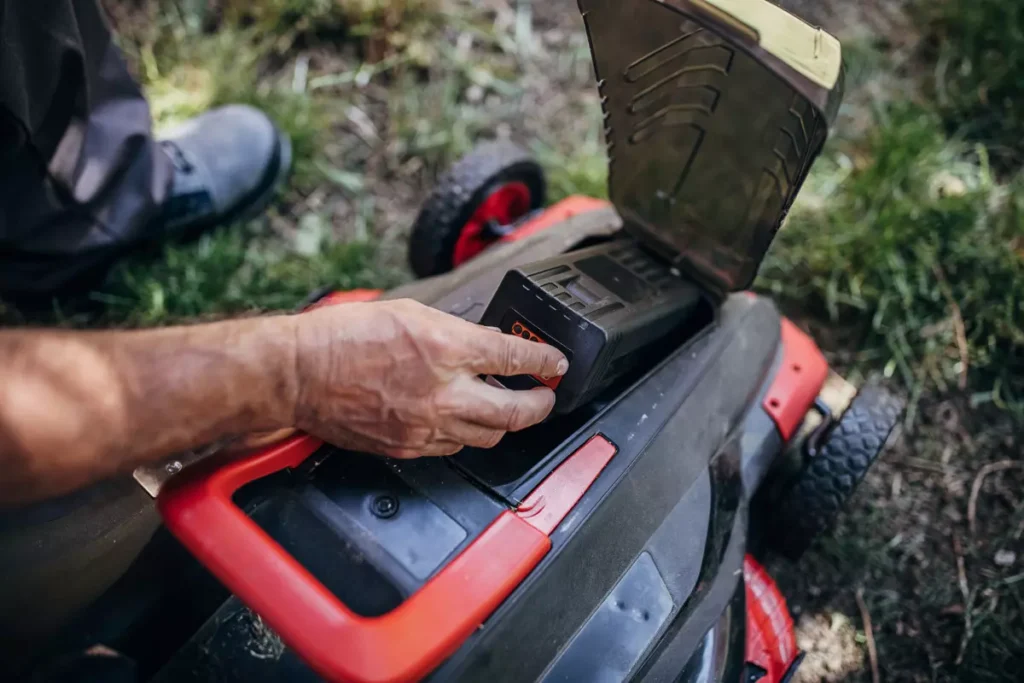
(432, 124)
(907, 241)
(997, 649)
(233, 272)
(582, 171)
(977, 49)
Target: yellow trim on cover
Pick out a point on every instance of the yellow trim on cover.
(811, 51)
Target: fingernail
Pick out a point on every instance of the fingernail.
(562, 368)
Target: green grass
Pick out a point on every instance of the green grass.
(233, 271)
(900, 238)
(189, 60)
(995, 653)
(976, 48)
(430, 122)
(583, 170)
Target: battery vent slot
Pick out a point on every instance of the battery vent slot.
(581, 293)
(564, 286)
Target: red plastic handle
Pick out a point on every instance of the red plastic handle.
(403, 645)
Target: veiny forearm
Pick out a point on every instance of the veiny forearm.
(76, 407)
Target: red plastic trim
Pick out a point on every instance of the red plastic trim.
(771, 643)
(351, 296)
(403, 645)
(556, 213)
(519, 329)
(548, 504)
(408, 642)
(797, 382)
(504, 205)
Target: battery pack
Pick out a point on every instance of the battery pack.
(605, 307)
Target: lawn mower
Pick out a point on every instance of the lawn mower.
(695, 430)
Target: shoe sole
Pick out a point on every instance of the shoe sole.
(274, 179)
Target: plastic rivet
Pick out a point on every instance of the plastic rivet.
(384, 506)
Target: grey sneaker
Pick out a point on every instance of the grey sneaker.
(228, 164)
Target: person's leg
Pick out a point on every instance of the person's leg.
(82, 181)
(87, 177)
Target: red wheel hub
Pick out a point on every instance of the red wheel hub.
(505, 204)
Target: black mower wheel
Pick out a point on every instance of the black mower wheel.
(475, 203)
(834, 469)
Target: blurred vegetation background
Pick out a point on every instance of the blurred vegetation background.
(904, 254)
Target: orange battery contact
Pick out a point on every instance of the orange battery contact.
(521, 330)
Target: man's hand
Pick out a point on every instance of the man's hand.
(393, 378)
(401, 379)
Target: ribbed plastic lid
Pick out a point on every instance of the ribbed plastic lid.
(714, 112)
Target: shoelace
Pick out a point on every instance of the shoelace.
(178, 158)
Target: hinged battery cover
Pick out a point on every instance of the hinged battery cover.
(714, 112)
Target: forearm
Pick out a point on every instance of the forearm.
(79, 406)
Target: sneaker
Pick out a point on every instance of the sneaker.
(228, 164)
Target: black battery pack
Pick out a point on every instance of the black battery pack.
(605, 307)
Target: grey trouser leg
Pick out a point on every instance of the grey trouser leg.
(80, 174)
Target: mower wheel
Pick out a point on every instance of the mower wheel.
(477, 202)
(834, 469)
